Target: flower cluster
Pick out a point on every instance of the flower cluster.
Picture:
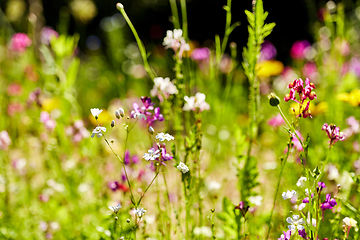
(304, 92)
(165, 86)
(176, 42)
(295, 222)
(333, 133)
(288, 194)
(182, 167)
(196, 102)
(160, 153)
(19, 42)
(329, 203)
(139, 212)
(144, 111)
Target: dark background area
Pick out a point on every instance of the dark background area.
(294, 19)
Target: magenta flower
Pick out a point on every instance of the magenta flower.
(286, 235)
(299, 49)
(200, 54)
(19, 42)
(144, 111)
(321, 186)
(333, 133)
(113, 185)
(302, 233)
(304, 92)
(329, 203)
(48, 122)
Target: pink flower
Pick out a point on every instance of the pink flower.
(48, 122)
(299, 49)
(19, 42)
(46, 34)
(310, 70)
(200, 54)
(333, 133)
(268, 51)
(14, 108)
(5, 140)
(296, 141)
(14, 89)
(276, 121)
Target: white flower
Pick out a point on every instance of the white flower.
(115, 209)
(295, 222)
(301, 206)
(301, 181)
(173, 39)
(307, 191)
(140, 116)
(350, 222)
(214, 185)
(165, 86)
(256, 200)
(139, 212)
(194, 102)
(95, 112)
(204, 231)
(164, 136)
(152, 154)
(288, 194)
(98, 131)
(182, 167)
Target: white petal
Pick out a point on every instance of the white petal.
(296, 218)
(301, 221)
(300, 227)
(289, 220)
(291, 227)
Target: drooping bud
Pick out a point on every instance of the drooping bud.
(151, 130)
(117, 114)
(119, 6)
(112, 123)
(273, 99)
(122, 112)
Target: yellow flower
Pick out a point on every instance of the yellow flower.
(353, 98)
(49, 104)
(103, 118)
(269, 68)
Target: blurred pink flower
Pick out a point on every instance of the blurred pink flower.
(48, 122)
(46, 34)
(310, 70)
(276, 121)
(14, 89)
(5, 140)
(14, 108)
(268, 51)
(19, 42)
(299, 49)
(200, 54)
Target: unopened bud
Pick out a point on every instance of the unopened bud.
(273, 99)
(212, 210)
(116, 218)
(151, 130)
(117, 114)
(122, 112)
(112, 123)
(127, 220)
(119, 6)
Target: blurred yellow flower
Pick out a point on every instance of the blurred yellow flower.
(103, 118)
(269, 68)
(83, 10)
(314, 109)
(353, 98)
(49, 104)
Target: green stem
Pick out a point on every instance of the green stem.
(184, 18)
(175, 15)
(290, 126)
(148, 187)
(142, 49)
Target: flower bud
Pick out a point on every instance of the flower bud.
(122, 112)
(273, 99)
(117, 114)
(112, 123)
(128, 220)
(151, 130)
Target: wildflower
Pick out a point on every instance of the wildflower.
(113, 185)
(146, 115)
(353, 97)
(139, 212)
(214, 185)
(333, 133)
(256, 200)
(299, 49)
(152, 154)
(176, 42)
(196, 102)
(46, 119)
(301, 181)
(301, 206)
(350, 222)
(98, 131)
(268, 51)
(285, 236)
(164, 155)
(164, 136)
(5, 140)
(47, 33)
(14, 89)
(19, 42)
(95, 112)
(302, 233)
(329, 203)
(295, 222)
(200, 54)
(288, 194)
(354, 127)
(321, 186)
(115, 209)
(182, 167)
(242, 208)
(165, 86)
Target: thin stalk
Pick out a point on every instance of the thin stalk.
(227, 26)
(184, 19)
(175, 15)
(141, 46)
(148, 187)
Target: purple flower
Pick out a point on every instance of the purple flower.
(306, 200)
(165, 156)
(355, 66)
(200, 54)
(268, 51)
(321, 186)
(144, 111)
(46, 34)
(242, 208)
(127, 157)
(329, 203)
(19, 42)
(113, 185)
(333, 133)
(286, 235)
(302, 233)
